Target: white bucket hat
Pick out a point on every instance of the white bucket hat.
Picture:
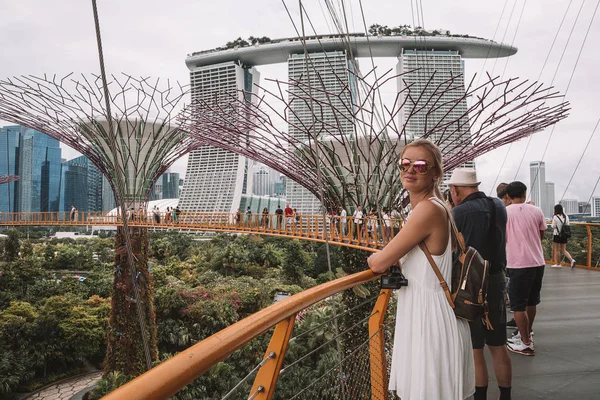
(463, 177)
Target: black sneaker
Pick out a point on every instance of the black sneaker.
(511, 324)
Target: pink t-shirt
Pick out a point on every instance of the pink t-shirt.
(523, 244)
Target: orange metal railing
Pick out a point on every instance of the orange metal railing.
(589, 246)
(366, 233)
(361, 233)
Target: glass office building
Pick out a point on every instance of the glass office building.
(81, 185)
(36, 159)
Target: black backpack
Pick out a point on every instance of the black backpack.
(565, 230)
(470, 273)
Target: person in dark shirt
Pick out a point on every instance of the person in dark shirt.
(475, 214)
(279, 213)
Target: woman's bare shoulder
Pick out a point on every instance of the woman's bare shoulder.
(430, 208)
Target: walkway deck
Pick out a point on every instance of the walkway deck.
(566, 364)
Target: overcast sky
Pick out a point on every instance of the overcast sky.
(152, 38)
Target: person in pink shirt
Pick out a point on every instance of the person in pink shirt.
(525, 229)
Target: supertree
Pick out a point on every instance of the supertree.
(358, 166)
(132, 145)
(342, 143)
(8, 178)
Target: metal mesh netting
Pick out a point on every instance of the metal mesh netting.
(350, 379)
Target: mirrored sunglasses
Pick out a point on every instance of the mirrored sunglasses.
(419, 166)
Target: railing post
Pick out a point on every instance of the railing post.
(377, 356)
(589, 246)
(269, 373)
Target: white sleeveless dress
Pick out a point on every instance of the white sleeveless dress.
(433, 356)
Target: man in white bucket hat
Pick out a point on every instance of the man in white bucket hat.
(482, 221)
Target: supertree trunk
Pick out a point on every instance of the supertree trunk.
(125, 348)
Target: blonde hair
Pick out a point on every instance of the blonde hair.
(438, 166)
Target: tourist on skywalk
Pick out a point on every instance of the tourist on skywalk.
(343, 220)
(387, 225)
(72, 215)
(238, 217)
(559, 239)
(357, 220)
(333, 222)
(167, 215)
(371, 225)
(279, 213)
(176, 213)
(264, 220)
(501, 193)
(525, 258)
(156, 214)
(289, 220)
(482, 222)
(297, 220)
(248, 217)
(432, 357)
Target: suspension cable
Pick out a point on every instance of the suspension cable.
(320, 183)
(551, 83)
(579, 161)
(571, 77)
(313, 351)
(270, 356)
(539, 77)
(329, 320)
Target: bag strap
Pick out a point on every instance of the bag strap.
(443, 283)
(458, 236)
(562, 223)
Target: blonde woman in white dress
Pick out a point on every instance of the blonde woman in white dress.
(432, 356)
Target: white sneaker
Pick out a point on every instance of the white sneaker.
(520, 348)
(517, 337)
(573, 263)
(555, 266)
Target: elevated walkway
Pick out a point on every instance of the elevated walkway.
(566, 364)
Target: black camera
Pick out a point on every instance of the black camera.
(395, 279)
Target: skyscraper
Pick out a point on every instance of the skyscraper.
(537, 183)
(548, 202)
(215, 179)
(36, 158)
(584, 207)
(9, 146)
(328, 74)
(264, 180)
(595, 207)
(570, 206)
(170, 185)
(108, 196)
(80, 185)
(423, 72)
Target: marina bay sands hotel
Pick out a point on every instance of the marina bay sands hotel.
(217, 180)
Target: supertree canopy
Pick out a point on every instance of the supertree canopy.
(71, 109)
(301, 128)
(132, 145)
(8, 178)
